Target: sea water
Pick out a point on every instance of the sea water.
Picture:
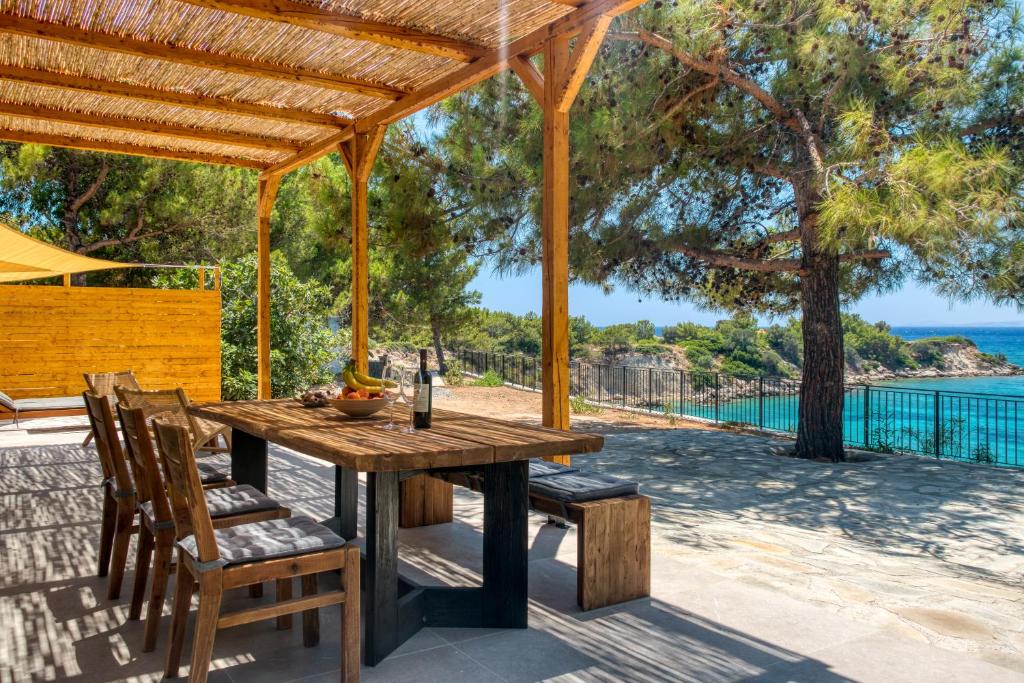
(980, 419)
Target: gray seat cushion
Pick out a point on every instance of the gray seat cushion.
(265, 540)
(230, 500)
(579, 487)
(208, 474)
(55, 403)
(543, 468)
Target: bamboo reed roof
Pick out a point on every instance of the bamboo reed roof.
(268, 84)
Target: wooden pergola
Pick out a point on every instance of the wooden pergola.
(275, 84)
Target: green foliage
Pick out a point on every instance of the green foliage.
(455, 377)
(127, 208)
(643, 329)
(489, 379)
(579, 406)
(875, 343)
(302, 346)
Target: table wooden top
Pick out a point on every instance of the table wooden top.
(453, 440)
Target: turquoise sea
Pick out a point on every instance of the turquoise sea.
(1008, 341)
(974, 419)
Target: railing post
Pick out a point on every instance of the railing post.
(599, 382)
(867, 416)
(718, 395)
(682, 381)
(760, 401)
(650, 390)
(936, 408)
(623, 386)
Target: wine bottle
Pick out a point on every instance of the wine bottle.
(422, 407)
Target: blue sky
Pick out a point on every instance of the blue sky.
(912, 305)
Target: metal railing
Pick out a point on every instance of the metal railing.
(956, 425)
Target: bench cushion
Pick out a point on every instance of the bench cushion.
(266, 540)
(544, 468)
(579, 487)
(55, 403)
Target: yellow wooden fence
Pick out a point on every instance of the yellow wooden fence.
(50, 335)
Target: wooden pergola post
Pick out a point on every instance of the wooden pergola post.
(266, 192)
(556, 88)
(359, 153)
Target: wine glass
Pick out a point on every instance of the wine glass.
(410, 391)
(393, 374)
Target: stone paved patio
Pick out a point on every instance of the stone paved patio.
(765, 568)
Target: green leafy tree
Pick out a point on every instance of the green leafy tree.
(302, 345)
(775, 156)
(128, 208)
(644, 329)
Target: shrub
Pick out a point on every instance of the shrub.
(579, 405)
(455, 377)
(489, 379)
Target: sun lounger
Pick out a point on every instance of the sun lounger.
(28, 408)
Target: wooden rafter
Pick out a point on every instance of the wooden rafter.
(53, 79)
(140, 126)
(583, 54)
(109, 42)
(125, 148)
(481, 69)
(347, 25)
(529, 75)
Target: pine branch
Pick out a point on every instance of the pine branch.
(718, 69)
(90, 191)
(865, 255)
(723, 259)
(132, 237)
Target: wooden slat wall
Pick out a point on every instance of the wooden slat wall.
(50, 335)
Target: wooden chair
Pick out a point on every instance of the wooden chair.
(220, 559)
(229, 505)
(104, 383)
(156, 402)
(118, 494)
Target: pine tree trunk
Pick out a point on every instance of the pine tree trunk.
(820, 427)
(442, 364)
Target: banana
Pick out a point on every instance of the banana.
(372, 381)
(353, 383)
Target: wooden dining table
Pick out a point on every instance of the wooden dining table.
(395, 607)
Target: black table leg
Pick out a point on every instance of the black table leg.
(249, 459)
(380, 605)
(506, 498)
(346, 503)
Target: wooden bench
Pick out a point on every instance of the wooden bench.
(613, 541)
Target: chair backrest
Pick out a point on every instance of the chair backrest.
(108, 445)
(191, 516)
(149, 479)
(154, 402)
(104, 383)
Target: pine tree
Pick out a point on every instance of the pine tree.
(769, 156)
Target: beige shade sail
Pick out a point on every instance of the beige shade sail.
(25, 258)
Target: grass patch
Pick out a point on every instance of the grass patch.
(489, 379)
(579, 406)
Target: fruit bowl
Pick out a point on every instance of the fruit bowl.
(359, 407)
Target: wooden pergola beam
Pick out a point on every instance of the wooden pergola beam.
(471, 74)
(141, 126)
(126, 148)
(266, 192)
(109, 42)
(348, 26)
(63, 81)
(359, 152)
